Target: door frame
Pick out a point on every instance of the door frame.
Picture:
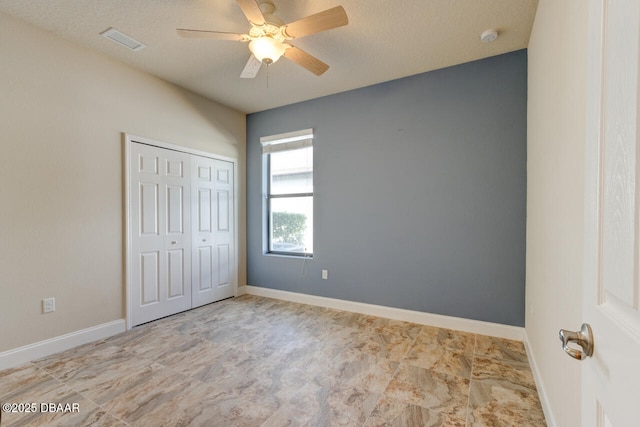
(129, 139)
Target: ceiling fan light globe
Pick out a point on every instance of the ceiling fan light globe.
(267, 49)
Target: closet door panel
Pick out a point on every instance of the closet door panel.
(205, 270)
(175, 210)
(203, 264)
(176, 273)
(149, 278)
(224, 235)
(213, 189)
(181, 231)
(224, 265)
(223, 213)
(159, 203)
(149, 211)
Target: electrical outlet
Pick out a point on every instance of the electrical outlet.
(48, 305)
(325, 274)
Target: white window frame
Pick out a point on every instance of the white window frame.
(273, 144)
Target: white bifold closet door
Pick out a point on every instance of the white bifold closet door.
(161, 241)
(212, 223)
(181, 232)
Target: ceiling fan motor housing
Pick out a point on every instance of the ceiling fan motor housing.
(267, 8)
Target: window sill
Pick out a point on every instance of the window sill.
(288, 255)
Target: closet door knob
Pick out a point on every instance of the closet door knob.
(582, 338)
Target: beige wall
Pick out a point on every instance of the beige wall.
(63, 110)
(555, 184)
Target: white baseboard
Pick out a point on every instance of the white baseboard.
(542, 394)
(457, 323)
(241, 290)
(27, 353)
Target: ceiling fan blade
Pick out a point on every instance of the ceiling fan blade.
(252, 11)
(305, 60)
(203, 34)
(251, 68)
(322, 21)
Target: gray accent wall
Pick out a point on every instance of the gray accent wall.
(420, 192)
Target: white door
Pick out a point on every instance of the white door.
(160, 276)
(611, 302)
(212, 222)
(224, 230)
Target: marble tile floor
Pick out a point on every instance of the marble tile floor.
(253, 361)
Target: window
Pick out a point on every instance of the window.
(289, 192)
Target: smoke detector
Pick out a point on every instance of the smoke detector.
(488, 36)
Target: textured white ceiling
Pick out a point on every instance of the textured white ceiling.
(385, 40)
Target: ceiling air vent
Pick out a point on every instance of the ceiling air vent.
(122, 39)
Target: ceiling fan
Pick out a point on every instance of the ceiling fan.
(269, 37)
